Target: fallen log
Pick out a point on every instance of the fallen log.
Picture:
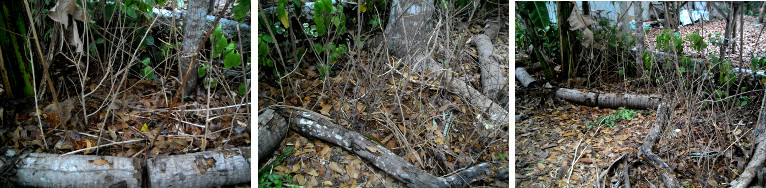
(496, 113)
(314, 125)
(645, 151)
(525, 78)
(494, 83)
(272, 128)
(609, 100)
(52, 170)
(202, 169)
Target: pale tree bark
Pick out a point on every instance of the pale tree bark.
(408, 36)
(637, 10)
(193, 33)
(408, 25)
(760, 14)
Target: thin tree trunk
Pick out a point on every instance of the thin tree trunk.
(193, 33)
(639, 38)
(586, 8)
(760, 14)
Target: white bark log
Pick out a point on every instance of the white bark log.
(201, 169)
(50, 170)
(494, 83)
(525, 78)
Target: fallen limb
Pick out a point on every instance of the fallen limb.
(494, 112)
(272, 128)
(494, 83)
(645, 151)
(314, 125)
(609, 100)
(526, 79)
(202, 169)
(759, 157)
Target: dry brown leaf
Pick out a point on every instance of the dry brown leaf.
(334, 166)
(325, 108)
(99, 162)
(325, 151)
(281, 168)
(313, 172)
(301, 180)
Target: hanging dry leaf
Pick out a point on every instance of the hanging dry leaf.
(578, 21)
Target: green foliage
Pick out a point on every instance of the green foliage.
(757, 63)
(209, 82)
(323, 9)
(241, 9)
(147, 71)
(244, 87)
(264, 49)
(267, 180)
(612, 119)
(501, 156)
(282, 13)
(538, 12)
(134, 8)
(667, 41)
(375, 21)
(698, 43)
(715, 39)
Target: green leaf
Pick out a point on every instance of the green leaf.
(146, 61)
(210, 82)
(230, 47)
(231, 60)
(100, 41)
(202, 70)
(149, 40)
(538, 13)
(147, 72)
(131, 11)
(241, 10)
(243, 87)
(267, 38)
(220, 45)
(282, 13)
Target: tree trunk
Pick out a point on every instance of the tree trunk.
(193, 32)
(565, 47)
(586, 8)
(408, 25)
(639, 38)
(760, 14)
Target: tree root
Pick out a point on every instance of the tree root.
(314, 125)
(645, 151)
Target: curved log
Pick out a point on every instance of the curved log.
(314, 125)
